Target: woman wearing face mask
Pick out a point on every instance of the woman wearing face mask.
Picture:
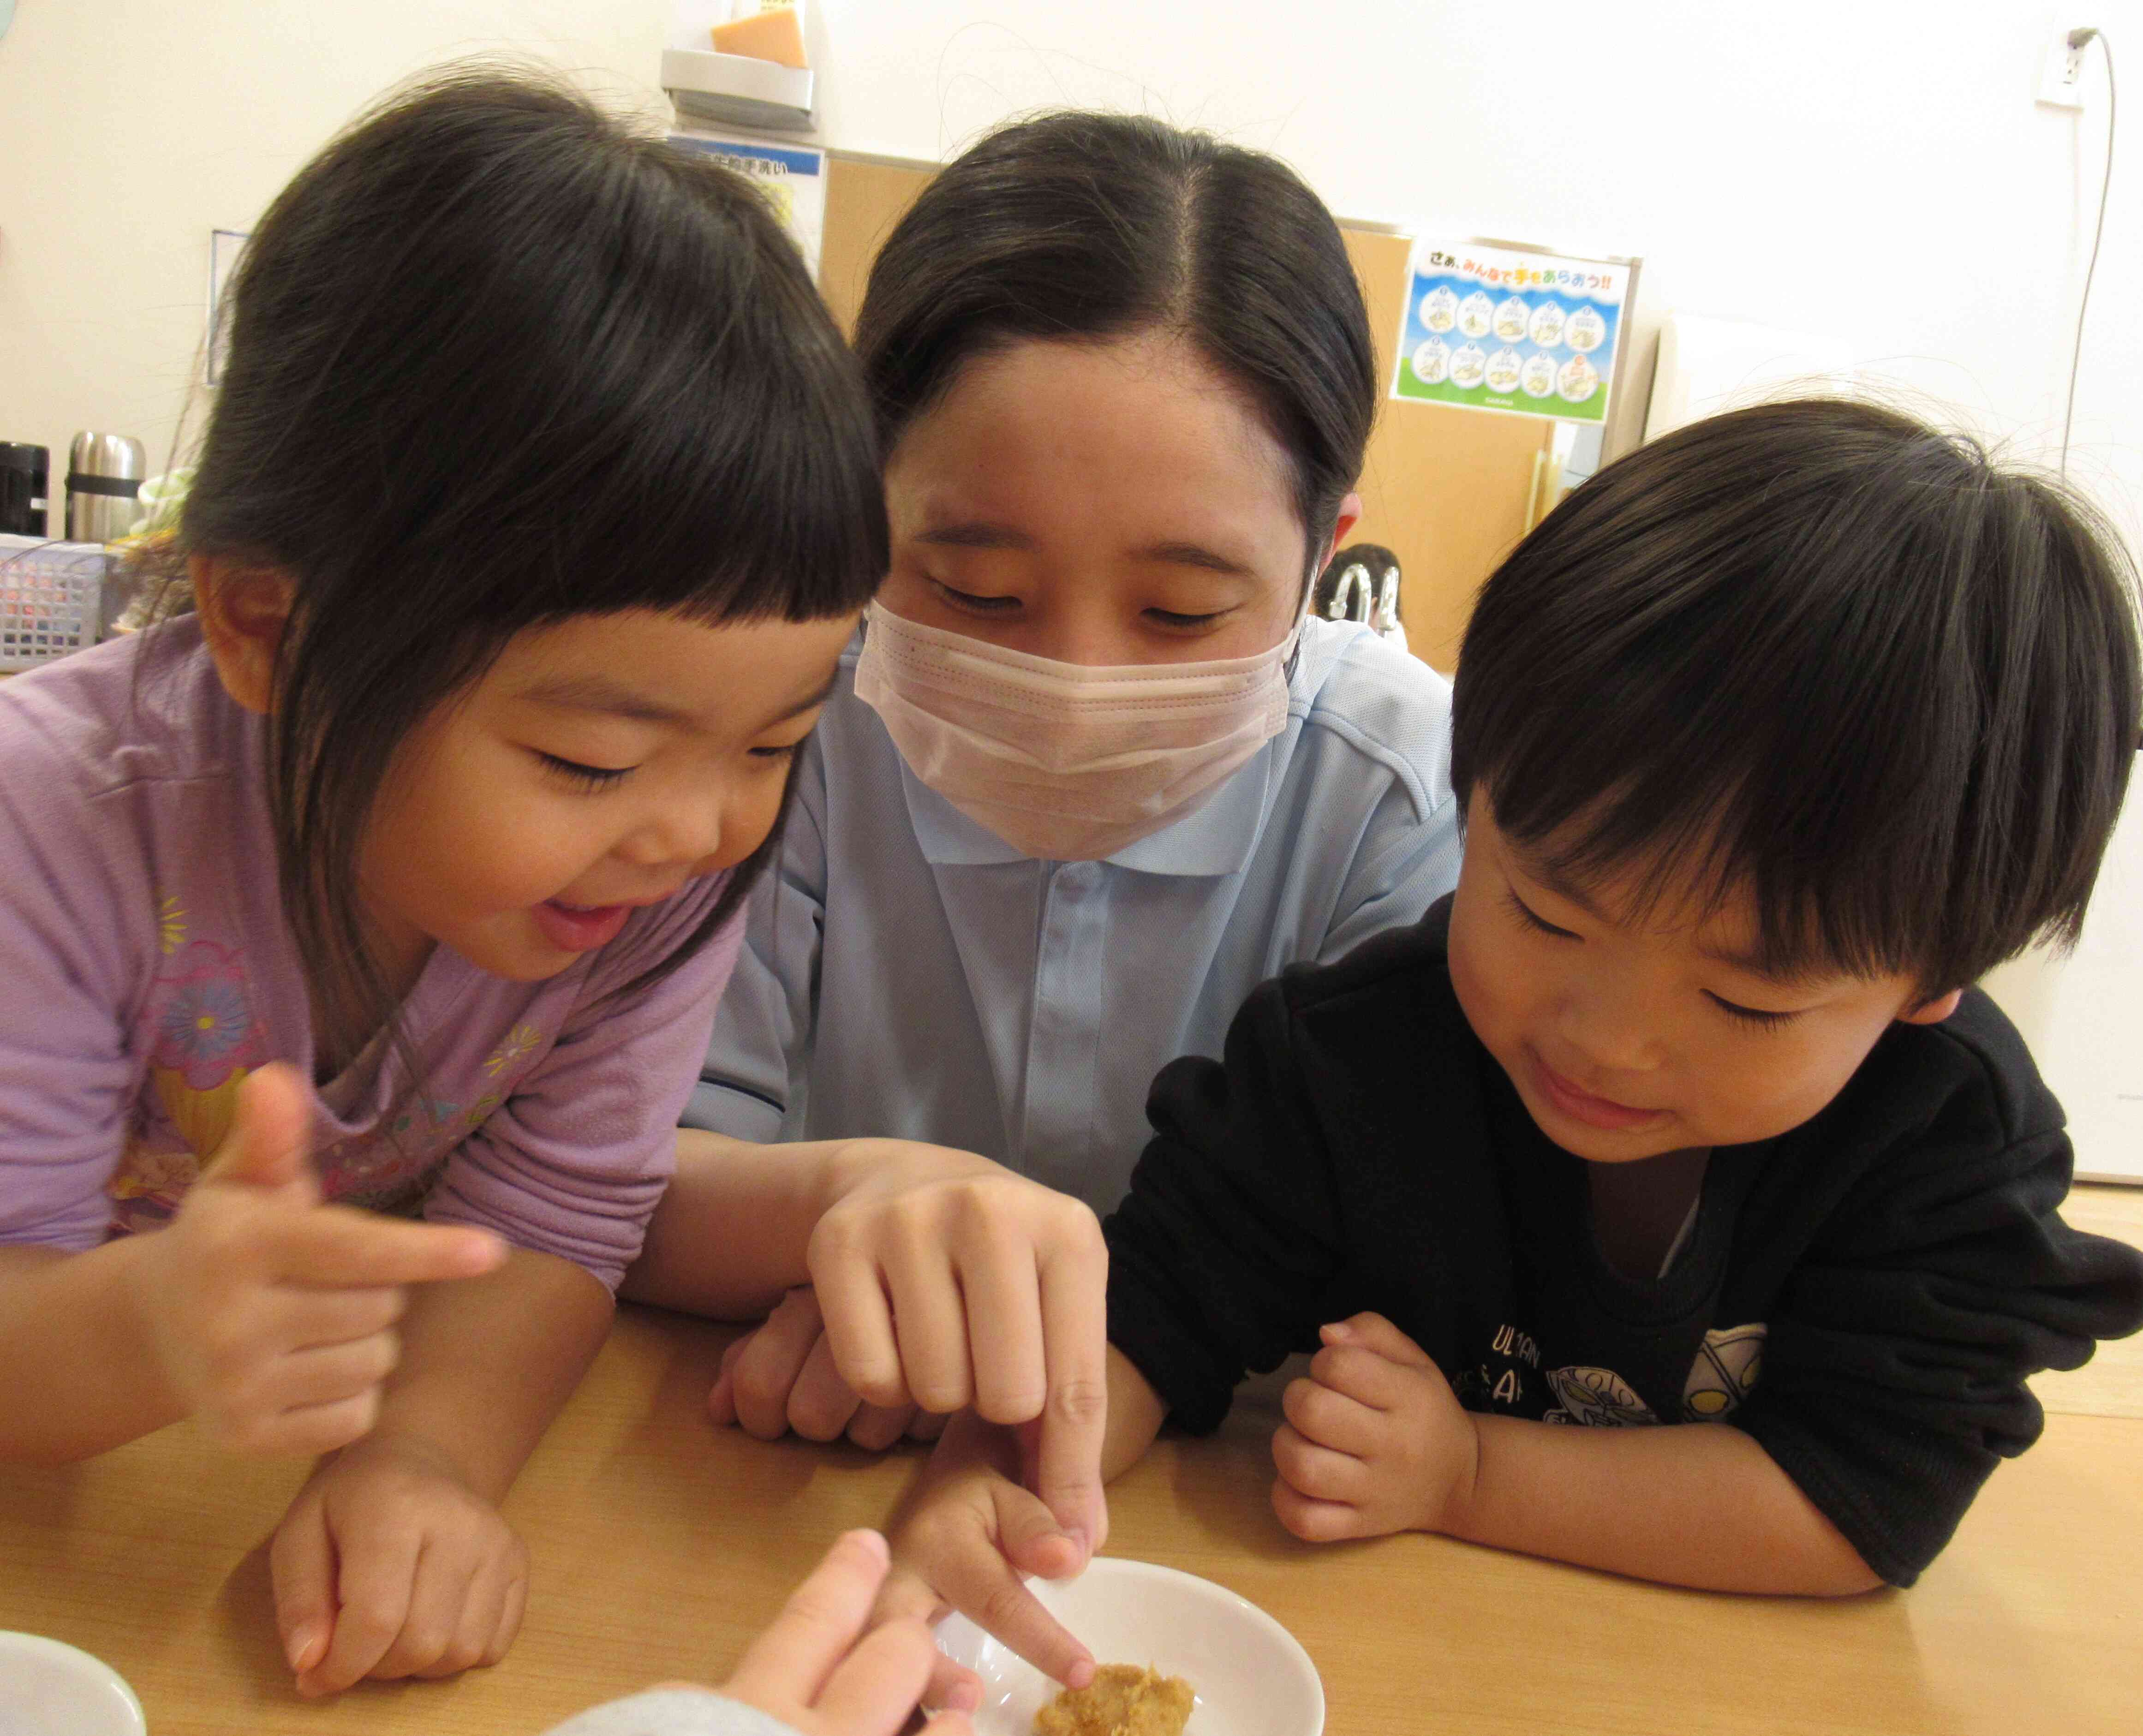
(1089, 775)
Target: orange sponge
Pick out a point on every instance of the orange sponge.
(774, 33)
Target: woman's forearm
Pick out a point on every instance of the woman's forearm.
(1699, 1505)
(733, 1229)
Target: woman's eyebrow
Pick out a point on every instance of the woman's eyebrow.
(988, 533)
(1193, 554)
(977, 533)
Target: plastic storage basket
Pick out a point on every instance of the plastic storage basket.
(51, 599)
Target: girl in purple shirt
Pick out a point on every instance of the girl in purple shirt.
(361, 926)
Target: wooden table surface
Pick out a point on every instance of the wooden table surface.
(661, 1544)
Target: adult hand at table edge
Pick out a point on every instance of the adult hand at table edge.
(781, 1376)
(760, 1368)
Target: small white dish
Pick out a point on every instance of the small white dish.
(1251, 1676)
(47, 1689)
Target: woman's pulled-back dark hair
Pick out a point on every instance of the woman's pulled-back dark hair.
(1821, 650)
(496, 360)
(1082, 227)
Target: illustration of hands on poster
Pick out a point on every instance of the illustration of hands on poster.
(1500, 328)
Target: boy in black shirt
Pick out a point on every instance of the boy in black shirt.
(1775, 735)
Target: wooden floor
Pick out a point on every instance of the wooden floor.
(2110, 1384)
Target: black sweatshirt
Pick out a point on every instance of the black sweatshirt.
(1864, 1296)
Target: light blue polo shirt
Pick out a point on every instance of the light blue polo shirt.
(907, 973)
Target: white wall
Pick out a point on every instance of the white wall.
(1875, 169)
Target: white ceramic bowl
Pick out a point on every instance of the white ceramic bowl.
(1251, 1677)
(50, 1689)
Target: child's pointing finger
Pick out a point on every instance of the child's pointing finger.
(339, 1248)
(790, 1664)
(905, 1598)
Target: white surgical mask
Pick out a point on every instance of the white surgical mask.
(1069, 762)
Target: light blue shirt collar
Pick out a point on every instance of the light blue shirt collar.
(1007, 1008)
(1219, 837)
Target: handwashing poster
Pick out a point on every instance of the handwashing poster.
(793, 178)
(1496, 329)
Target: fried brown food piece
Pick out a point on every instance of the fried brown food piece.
(1121, 1700)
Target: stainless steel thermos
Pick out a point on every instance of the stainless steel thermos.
(104, 485)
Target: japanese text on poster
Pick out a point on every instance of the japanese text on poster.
(793, 178)
(1494, 328)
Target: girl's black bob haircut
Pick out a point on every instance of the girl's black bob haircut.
(1082, 227)
(496, 360)
(1823, 652)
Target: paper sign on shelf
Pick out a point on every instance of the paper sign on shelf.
(1499, 329)
(792, 176)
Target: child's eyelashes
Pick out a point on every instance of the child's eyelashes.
(1756, 1018)
(1538, 923)
(1751, 1015)
(589, 778)
(788, 750)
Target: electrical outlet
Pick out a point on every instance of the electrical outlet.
(2061, 72)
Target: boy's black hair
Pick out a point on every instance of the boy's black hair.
(1080, 226)
(497, 360)
(1821, 650)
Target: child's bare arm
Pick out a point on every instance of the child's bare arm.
(730, 1234)
(1700, 1504)
(1375, 1442)
(394, 1561)
(80, 1371)
(972, 1527)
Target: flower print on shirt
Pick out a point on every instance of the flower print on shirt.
(207, 1039)
(392, 1172)
(521, 1041)
(203, 1016)
(171, 923)
(204, 1022)
(206, 1036)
